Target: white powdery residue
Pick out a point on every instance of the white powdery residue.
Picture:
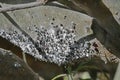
(1, 32)
(51, 31)
(55, 43)
(21, 41)
(40, 57)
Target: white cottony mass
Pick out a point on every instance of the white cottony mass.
(57, 44)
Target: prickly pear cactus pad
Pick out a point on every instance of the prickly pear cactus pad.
(50, 36)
